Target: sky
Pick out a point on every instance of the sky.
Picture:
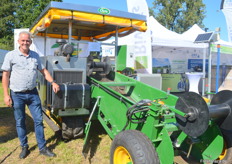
(214, 16)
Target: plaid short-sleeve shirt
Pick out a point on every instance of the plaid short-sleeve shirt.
(23, 69)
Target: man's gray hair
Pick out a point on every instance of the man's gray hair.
(25, 32)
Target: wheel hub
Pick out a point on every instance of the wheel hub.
(122, 156)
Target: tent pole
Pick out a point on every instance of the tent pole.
(70, 31)
(203, 78)
(218, 68)
(209, 72)
(116, 48)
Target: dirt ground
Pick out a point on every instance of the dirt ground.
(67, 152)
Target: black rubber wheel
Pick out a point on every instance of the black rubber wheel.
(132, 146)
(72, 127)
(226, 156)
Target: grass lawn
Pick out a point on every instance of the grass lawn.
(67, 152)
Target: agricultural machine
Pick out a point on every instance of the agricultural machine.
(146, 125)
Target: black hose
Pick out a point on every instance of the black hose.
(139, 107)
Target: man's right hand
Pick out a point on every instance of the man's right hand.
(8, 101)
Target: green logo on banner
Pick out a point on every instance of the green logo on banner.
(104, 11)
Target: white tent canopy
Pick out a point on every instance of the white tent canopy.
(164, 37)
(224, 43)
(192, 33)
(165, 41)
(159, 31)
(179, 49)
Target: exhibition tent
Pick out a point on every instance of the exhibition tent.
(166, 43)
(195, 30)
(177, 51)
(161, 36)
(180, 51)
(192, 33)
(225, 47)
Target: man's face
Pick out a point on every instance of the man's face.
(24, 42)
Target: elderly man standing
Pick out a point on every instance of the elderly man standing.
(19, 74)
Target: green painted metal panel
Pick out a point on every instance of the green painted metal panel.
(159, 125)
(165, 148)
(208, 147)
(121, 58)
(144, 91)
(113, 107)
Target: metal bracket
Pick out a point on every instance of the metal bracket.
(87, 129)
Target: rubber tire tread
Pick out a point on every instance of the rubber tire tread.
(72, 127)
(138, 145)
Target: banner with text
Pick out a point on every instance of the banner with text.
(227, 10)
(141, 42)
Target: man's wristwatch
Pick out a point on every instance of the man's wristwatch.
(53, 82)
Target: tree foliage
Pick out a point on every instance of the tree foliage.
(18, 14)
(178, 15)
(7, 20)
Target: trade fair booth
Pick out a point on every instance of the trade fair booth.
(176, 54)
(176, 57)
